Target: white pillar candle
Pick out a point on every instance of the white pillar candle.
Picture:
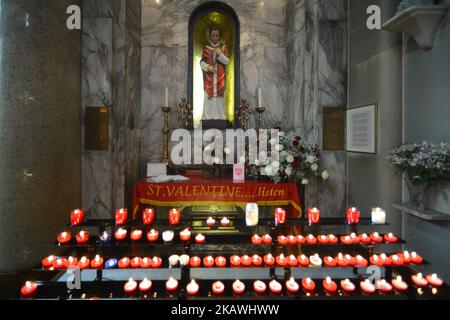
(252, 214)
(378, 216)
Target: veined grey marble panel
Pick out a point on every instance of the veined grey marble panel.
(97, 9)
(166, 24)
(97, 60)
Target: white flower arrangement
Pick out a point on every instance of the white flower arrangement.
(423, 163)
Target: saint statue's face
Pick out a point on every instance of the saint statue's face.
(215, 36)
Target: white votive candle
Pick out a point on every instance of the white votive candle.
(378, 216)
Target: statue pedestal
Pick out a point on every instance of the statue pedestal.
(216, 124)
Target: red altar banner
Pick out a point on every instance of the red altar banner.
(199, 191)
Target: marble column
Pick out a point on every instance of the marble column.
(39, 128)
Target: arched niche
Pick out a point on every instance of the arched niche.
(205, 16)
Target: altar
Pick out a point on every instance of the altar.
(208, 191)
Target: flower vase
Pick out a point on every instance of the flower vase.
(417, 194)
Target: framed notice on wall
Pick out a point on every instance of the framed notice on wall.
(362, 125)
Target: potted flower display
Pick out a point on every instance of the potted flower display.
(423, 164)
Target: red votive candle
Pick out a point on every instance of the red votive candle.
(341, 261)
(310, 239)
(246, 261)
(259, 286)
(346, 240)
(256, 239)
(152, 235)
(199, 238)
(225, 222)
(292, 261)
(185, 235)
(156, 262)
(355, 238)
(220, 261)
(406, 257)
(301, 239)
(275, 286)
(397, 260)
(269, 260)
(124, 263)
(415, 258)
(347, 286)
(330, 262)
(174, 216)
(360, 262)
(257, 260)
(313, 216)
(218, 287)
(419, 280)
(172, 284)
(71, 262)
(208, 262)
(332, 239)
(329, 285)
(148, 216)
(136, 235)
(353, 216)
(211, 222)
(84, 263)
(97, 262)
(48, 262)
(399, 284)
(292, 239)
(323, 239)
(64, 237)
(120, 234)
(367, 286)
(282, 240)
(376, 261)
(434, 280)
(136, 262)
(376, 237)
(383, 286)
(195, 262)
(145, 285)
(364, 238)
(238, 287)
(280, 216)
(146, 263)
(121, 216)
(76, 217)
(308, 284)
(281, 260)
(267, 239)
(130, 286)
(60, 263)
(303, 260)
(28, 289)
(292, 286)
(235, 261)
(192, 288)
(390, 238)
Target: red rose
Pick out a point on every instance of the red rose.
(295, 143)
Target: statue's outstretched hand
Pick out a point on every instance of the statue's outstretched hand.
(211, 69)
(218, 51)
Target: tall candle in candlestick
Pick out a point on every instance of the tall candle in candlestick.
(260, 98)
(166, 104)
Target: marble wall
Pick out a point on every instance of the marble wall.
(165, 61)
(317, 58)
(39, 128)
(111, 77)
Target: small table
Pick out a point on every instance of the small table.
(218, 191)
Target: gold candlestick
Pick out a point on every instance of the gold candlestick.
(260, 111)
(166, 131)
